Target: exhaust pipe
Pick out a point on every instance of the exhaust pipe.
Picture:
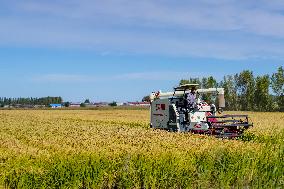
(221, 100)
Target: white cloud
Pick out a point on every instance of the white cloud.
(226, 15)
(226, 29)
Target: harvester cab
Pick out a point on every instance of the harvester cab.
(173, 111)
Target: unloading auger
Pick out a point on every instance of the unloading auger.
(171, 111)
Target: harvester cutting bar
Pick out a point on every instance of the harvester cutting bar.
(233, 125)
(227, 116)
(226, 121)
(230, 126)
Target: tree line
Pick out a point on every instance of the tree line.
(30, 101)
(246, 92)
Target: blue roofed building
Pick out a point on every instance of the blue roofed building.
(56, 105)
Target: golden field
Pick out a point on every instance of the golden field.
(116, 148)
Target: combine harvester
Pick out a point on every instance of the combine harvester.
(171, 111)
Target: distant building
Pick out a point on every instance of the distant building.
(119, 103)
(39, 106)
(74, 105)
(56, 105)
(21, 106)
(100, 104)
(27, 106)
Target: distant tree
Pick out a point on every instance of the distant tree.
(66, 104)
(211, 82)
(31, 101)
(146, 98)
(60, 100)
(281, 102)
(87, 101)
(82, 105)
(190, 81)
(208, 82)
(184, 81)
(277, 85)
(112, 103)
(262, 100)
(245, 88)
(231, 97)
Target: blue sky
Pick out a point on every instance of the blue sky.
(122, 49)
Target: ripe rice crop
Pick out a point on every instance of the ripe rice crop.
(116, 148)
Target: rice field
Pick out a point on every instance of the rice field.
(116, 149)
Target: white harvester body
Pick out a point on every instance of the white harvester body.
(170, 111)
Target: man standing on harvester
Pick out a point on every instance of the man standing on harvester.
(191, 98)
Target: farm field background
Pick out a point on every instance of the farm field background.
(116, 148)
